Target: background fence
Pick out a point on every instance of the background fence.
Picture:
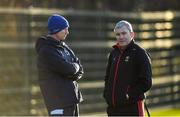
(91, 37)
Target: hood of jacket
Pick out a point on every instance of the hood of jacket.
(47, 41)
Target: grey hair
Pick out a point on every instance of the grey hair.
(122, 23)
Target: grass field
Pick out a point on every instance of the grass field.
(165, 112)
(154, 112)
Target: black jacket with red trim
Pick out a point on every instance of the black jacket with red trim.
(129, 73)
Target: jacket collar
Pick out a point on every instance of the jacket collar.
(55, 42)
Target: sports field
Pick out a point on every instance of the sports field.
(154, 112)
(165, 112)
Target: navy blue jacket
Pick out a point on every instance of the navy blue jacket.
(128, 73)
(58, 73)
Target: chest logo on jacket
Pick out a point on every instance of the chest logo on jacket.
(67, 53)
(127, 58)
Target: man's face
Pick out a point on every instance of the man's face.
(123, 36)
(61, 35)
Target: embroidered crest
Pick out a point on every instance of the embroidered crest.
(67, 53)
(127, 59)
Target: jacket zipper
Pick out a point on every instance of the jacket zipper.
(115, 79)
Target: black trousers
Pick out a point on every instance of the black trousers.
(66, 111)
(134, 109)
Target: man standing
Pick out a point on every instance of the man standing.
(128, 74)
(59, 69)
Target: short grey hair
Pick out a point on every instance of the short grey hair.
(122, 23)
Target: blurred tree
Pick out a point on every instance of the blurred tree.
(113, 5)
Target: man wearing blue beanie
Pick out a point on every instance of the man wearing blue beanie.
(59, 70)
(57, 23)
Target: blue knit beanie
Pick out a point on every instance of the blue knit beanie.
(56, 23)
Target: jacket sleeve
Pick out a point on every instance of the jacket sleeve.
(144, 80)
(108, 66)
(80, 73)
(54, 61)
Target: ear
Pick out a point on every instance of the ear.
(132, 35)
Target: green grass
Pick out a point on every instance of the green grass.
(165, 112)
(154, 112)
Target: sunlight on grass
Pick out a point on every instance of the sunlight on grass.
(153, 112)
(165, 112)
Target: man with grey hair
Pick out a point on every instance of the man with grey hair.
(128, 74)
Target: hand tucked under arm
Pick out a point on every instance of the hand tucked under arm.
(77, 75)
